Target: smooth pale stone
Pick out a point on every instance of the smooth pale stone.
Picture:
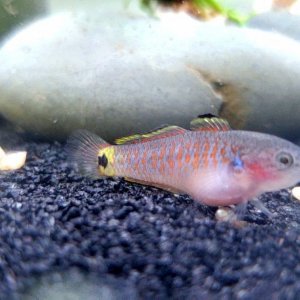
(296, 192)
(100, 75)
(12, 160)
(280, 21)
(130, 6)
(225, 214)
(248, 7)
(120, 73)
(75, 285)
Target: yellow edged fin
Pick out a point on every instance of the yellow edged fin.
(82, 149)
(162, 132)
(209, 122)
(157, 185)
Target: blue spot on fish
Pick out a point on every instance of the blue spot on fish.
(237, 163)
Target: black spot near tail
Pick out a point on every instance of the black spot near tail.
(102, 161)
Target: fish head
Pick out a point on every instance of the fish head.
(267, 162)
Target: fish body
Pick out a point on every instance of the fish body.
(212, 163)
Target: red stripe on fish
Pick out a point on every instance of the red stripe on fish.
(154, 160)
(162, 167)
(179, 156)
(162, 152)
(196, 159)
(170, 158)
(187, 158)
(223, 153)
(205, 154)
(135, 154)
(213, 154)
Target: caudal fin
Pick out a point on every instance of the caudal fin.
(82, 151)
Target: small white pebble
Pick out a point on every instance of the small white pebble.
(227, 214)
(224, 214)
(296, 192)
(12, 160)
(18, 205)
(51, 221)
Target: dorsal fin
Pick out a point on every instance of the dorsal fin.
(158, 133)
(209, 122)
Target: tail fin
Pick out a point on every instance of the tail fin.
(82, 150)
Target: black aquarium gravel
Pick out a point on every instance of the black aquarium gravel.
(140, 241)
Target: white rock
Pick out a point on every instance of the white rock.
(225, 214)
(278, 21)
(296, 192)
(248, 6)
(12, 160)
(119, 73)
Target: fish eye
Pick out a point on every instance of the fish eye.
(284, 159)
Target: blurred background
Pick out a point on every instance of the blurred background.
(118, 67)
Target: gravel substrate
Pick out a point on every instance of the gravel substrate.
(151, 244)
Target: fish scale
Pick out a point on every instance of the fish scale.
(150, 166)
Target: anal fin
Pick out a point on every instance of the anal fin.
(154, 184)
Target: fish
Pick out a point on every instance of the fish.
(212, 163)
